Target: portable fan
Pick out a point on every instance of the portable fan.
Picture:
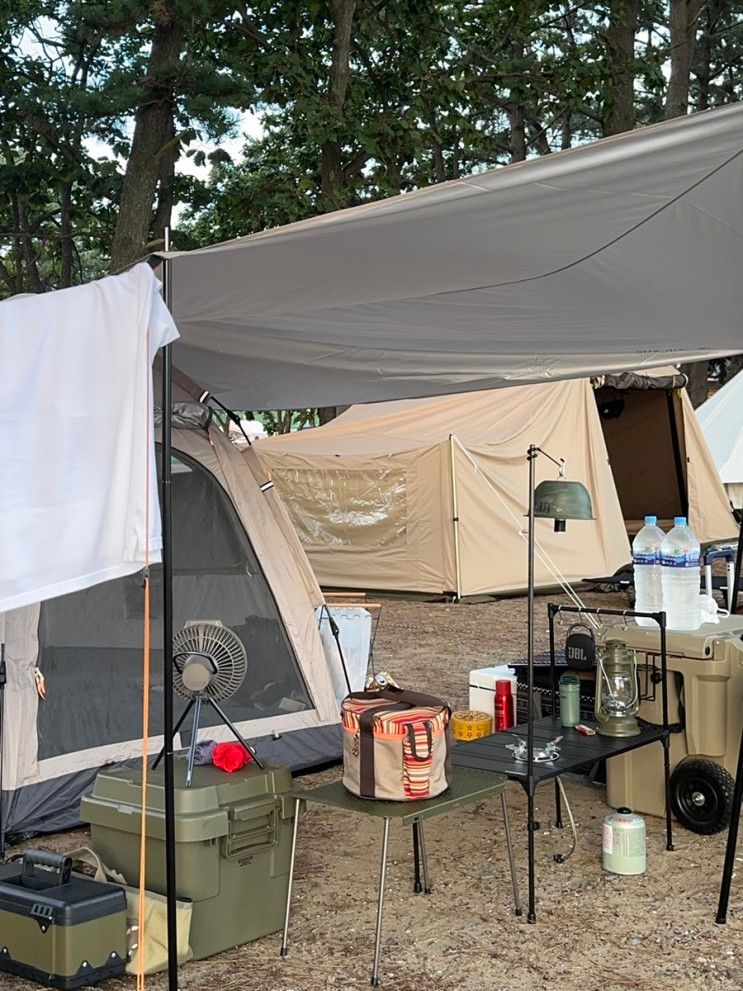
(209, 665)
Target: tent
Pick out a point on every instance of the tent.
(570, 265)
(427, 495)
(236, 559)
(721, 420)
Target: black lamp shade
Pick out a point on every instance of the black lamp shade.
(560, 499)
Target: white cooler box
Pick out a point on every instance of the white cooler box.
(482, 687)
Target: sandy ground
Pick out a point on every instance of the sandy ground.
(595, 932)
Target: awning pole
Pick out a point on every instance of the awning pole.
(167, 565)
(455, 520)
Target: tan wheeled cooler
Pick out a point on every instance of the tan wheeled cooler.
(705, 693)
(233, 844)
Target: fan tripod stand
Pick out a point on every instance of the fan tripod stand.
(197, 702)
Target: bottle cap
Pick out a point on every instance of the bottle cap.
(679, 521)
(503, 687)
(651, 520)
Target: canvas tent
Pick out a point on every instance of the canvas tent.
(428, 495)
(237, 559)
(721, 420)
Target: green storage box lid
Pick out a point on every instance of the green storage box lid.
(202, 811)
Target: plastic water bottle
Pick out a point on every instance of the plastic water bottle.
(646, 566)
(680, 576)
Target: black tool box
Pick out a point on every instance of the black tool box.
(60, 929)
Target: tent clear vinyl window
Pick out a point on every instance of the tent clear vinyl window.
(91, 641)
(327, 506)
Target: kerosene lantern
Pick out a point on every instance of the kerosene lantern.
(617, 691)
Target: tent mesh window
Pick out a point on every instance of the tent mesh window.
(345, 508)
(90, 642)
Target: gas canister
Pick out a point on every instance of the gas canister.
(624, 843)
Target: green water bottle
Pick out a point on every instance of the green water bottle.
(569, 700)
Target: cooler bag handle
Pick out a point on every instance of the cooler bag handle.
(366, 743)
(44, 858)
(402, 695)
(411, 740)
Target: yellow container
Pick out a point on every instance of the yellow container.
(470, 725)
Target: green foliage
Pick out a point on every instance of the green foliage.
(425, 91)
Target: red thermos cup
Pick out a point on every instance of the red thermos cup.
(505, 715)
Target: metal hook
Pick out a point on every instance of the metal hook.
(558, 615)
(624, 620)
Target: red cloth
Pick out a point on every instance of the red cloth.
(230, 756)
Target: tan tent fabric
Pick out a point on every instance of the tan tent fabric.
(372, 493)
(287, 571)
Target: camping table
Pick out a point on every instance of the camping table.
(467, 788)
(489, 753)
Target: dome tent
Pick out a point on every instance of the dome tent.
(721, 419)
(428, 495)
(236, 558)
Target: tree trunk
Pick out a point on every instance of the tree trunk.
(697, 386)
(704, 55)
(331, 154)
(65, 236)
(164, 211)
(683, 35)
(515, 110)
(153, 125)
(619, 114)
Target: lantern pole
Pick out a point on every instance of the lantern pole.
(167, 566)
(531, 915)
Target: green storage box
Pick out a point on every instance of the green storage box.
(233, 844)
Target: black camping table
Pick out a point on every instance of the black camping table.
(577, 752)
(468, 787)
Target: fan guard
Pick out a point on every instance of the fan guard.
(220, 645)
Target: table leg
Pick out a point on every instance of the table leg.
(667, 783)
(531, 828)
(285, 936)
(417, 886)
(380, 905)
(511, 860)
(427, 889)
(558, 807)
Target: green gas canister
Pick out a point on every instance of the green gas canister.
(624, 843)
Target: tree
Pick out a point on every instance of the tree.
(684, 15)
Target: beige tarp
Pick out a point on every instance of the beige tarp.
(625, 253)
(372, 493)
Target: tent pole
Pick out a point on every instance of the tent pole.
(167, 566)
(733, 592)
(531, 456)
(455, 519)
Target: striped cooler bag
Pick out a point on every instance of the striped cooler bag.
(396, 745)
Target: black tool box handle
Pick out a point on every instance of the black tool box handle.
(45, 858)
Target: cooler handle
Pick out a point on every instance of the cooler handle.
(45, 858)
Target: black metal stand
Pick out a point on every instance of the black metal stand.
(417, 886)
(335, 630)
(199, 701)
(167, 565)
(660, 618)
(530, 824)
(732, 841)
(576, 752)
(3, 681)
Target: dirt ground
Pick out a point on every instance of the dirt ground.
(595, 932)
